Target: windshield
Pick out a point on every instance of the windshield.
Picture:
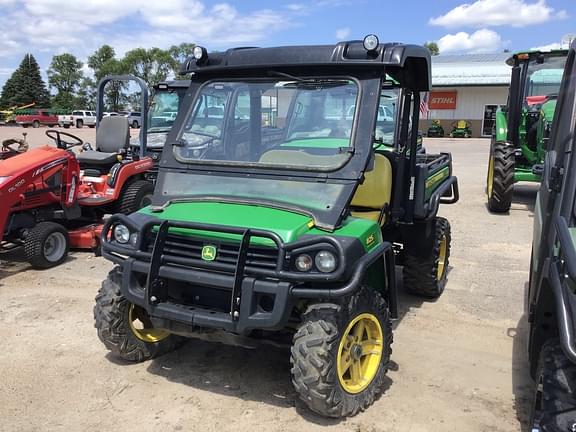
(544, 76)
(163, 110)
(304, 123)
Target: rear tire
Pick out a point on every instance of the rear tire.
(324, 369)
(134, 196)
(554, 401)
(427, 276)
(79, 124)
(46, 245)
(115, 318)
(500, 177)
(35, 124)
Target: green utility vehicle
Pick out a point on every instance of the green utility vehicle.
(523, 126)
(282, 198)
(552, 295)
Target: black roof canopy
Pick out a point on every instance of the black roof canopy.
(408, 64)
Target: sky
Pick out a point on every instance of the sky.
(48, 27)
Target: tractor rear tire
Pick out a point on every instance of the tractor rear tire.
(46, 245)
(134, 196)
(114, 319)
(327, 339)
(554, 402)
(427, 277)
(500, 178)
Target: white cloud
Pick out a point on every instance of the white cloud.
(81, 26)
(296, 7)
(483, 40)
(343, 33)
(489, 13)
(550, 46)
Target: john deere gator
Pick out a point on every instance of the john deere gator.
(284, 199)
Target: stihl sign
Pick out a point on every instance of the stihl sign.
(443, 100)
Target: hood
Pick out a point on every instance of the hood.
(35, 159)
(285, 223)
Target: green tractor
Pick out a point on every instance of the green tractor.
(461, 129)
(522, 128)
(283, 203)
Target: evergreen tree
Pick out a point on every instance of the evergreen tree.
(25, 86)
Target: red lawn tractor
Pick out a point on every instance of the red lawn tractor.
(53, 199)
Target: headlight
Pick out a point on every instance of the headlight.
(325, 261)
(121, 234)
(371, 42)
(303, 263)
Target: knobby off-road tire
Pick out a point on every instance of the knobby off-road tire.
(113, 319)
(554, 402)
(46, 245)
(134, 196)
(500, 178)
(427, 276)
(322, 340)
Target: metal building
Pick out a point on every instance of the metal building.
(467, 87)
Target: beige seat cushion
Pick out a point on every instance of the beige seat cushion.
(376, 191)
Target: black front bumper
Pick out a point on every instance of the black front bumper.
(258, 298)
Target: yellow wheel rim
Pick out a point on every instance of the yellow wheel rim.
(359, 353)
(142, 327)
(490, 182)
(442, 258)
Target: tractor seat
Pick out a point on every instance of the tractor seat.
(376, 191)
(462, 124)
(112, 137)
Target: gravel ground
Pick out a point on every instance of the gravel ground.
(458, 363)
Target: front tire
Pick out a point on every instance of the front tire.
(125, 329)
(135, 195)
(554, 401)
(341, 353)
(427, 276)
(46, 245)
(500, 177)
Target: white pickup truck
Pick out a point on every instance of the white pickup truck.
(78, 119)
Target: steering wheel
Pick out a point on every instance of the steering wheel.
(60, 143)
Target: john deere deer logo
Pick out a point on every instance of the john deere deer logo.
(209, 253)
